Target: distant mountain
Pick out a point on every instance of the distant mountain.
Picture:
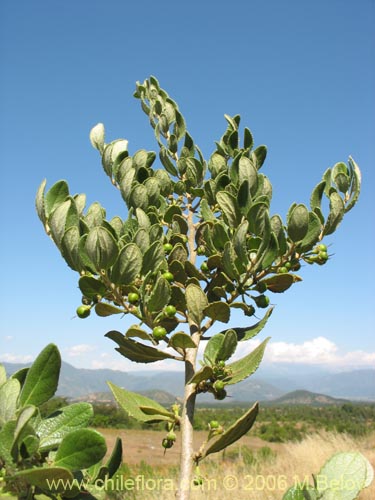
(354, 385)
(162, 397)
(301, 397)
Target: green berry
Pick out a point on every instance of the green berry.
(133, 298)
(83, 311)
(167, 247)
(323, 255)
(214, 424)
(201, 250)
(159, 332)
(204, 267)
(282, 270)
(170, 311)
(171, 436)
(261, 287)
(220, 395)
(322, 248)
(288, 265)
(218, 385)
(168, 276)
(166, 443)
(221, 364)
(262, 301)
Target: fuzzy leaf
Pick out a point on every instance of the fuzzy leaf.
(280, 282)
(91, 287)
(160, 295)
(115, 459)
(234, 432)
(43, 476)
(313, 233)
(136, 331)
(39, 201)
(9, 392)
(51, 430)
(203, 374)
(42, 378)
(153, 258)
(103, 309)
(138, 406)
(229, 207)
(246, 366)
(298, 223)
(356, 184)
(251, 331)
(97, 136)
(219, 311)
(336, 213)
(136, 351)
(196, 302)
(80, 449)
(55, 196)
(181, 340)
(101, 248)
(128, 265)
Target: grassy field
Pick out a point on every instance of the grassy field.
(250, 469)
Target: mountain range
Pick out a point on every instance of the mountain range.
(273, 383)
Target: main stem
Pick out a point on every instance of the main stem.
(187, 417)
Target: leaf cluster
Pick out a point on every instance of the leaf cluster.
(42, 455)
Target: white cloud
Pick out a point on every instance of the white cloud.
(14, 358)
(8, 337)
(317, 351)
(79, 349)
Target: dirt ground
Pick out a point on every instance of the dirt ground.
(145, 445)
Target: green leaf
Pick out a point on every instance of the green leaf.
(234, 432)
(247, 365)
(9, 392)
(101, 248)
(140, 407)
(336, 213)
(220, 347)
(206, 212)
(181, 340)
(128, 265)
(97, 137)
(247, 172)
(204, 373)
(298, 223)
(248, 141)
(55, 196)
(316, 195)
(42, 378)
(80, 449)
(91, 287)
(39, 201)
(280, 282)
(251, 331)
(259, 154)
(229, 208)
(159, 296)
(114, 461)
(229, 261)
(153, 258)
(24, 416)
(136, 331)
(278, 230)
(58, 221)
(219, 311)
(349, 469)
(313, 233)
(217, 164)
(69, 418)
(3, 375)
(356, 184)
(167, 163)
(196, 302)
(136, 351)
(70, 248)
(42, 477)
(6, 442)
(301, 492)
(103, 309)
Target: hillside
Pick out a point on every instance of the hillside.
(302, 397)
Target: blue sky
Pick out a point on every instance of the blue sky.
(300, 73)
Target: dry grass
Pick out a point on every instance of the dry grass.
(265, 478)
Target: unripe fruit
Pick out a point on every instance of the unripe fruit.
(201, 250)
(218, 385)
(220, 395)
(214, 424)
(322, 247)
(261, 287)
(85, 300)
(198, 481)
(262, 301)
(166, 443)
(288, 265)
(167, 247)
(282, 270)
(171, 436)
(133, 298)
(168, 276)
(159, 332)
(323, 255)
(204, 267)
(221, 364)
(170, 311)
(83, 311)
